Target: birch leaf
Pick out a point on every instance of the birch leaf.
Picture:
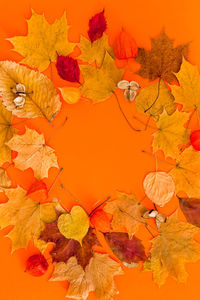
(43, 42)
(27, 216)
(33, 153)
(172, 249)
(41, 98)
(171, 133)
(186, 173)
(100, 83)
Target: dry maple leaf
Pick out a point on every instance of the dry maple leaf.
(91, 52)
(153, 99)
(191, 210)
(172, 249)
(186, 173)
(27, 216)
(5, 181)
(98, 277)
(44, 41)
(188, 93)
(6, 133)
(163, 60)
(127, 213)
(33, 153)
(100, 83)
(40, 97)
(171, 133)
(159, 187)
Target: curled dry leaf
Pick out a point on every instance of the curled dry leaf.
(5, 181)
(163, 60)
(6, 133)
(98, 277)
(95, 52)
(186, 173)
(27, 216)
(127, 250)
(43, 42)
(74, 225)
(100, 83)
(153, 99)
(41, 98)
(172, 249)
(191, 209)
(171, 133)
(33, 153)
(188, 92)
(159, 187)
(127, 213)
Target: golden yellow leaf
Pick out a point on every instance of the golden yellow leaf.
(95, 51)
(186, 173)
(40, 96)
(171, 133)
(5, 181)
(27, 216)
(6, 133)
(70, 94)
(74, 225)
(172, 249)
(44, 41)
(100, 83)
(159, 187)
(127, 213)
(33, 153)
(188, 93)
(154, 98)
(98, 277)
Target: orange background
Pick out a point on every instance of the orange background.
(96, 148)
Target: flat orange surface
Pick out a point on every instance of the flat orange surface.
(96, 148)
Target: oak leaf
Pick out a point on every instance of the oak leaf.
(172, 249)
(191, 210)
(74, 225)
(95, 52)
(44, 41)
(171, 133)
(159, 187)
(127, 213)
(188, 92)
(6, 133)
(5, 181)
(33, 153)
(100, 83)
(98, 277)
(163, 60)
(27, 216)
(186, 173)
(153, 99)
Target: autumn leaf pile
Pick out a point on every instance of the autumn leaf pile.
(169, 101)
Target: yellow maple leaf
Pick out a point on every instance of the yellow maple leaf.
(100, 83)
(27, 216)
(6, 133)
(154, 98)
(171, 133)
(5, 181)
(40, 96)
(127, 213)
(172, 249)
(74, 225)
(33, 153)
(188, 92)
(95, 51)
(98, 277)
(44, 41)
(186, 173)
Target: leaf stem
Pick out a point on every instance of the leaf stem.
(107, 199)
(162, 160)
(121, 110)
(145, 123)
(158, 93)
(55, 179)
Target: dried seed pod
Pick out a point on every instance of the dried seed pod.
(160, 218)
(19, 101)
